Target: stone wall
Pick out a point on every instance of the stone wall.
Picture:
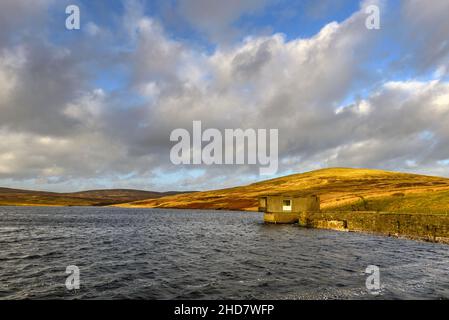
(427, 227)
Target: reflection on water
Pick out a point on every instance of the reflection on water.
(188, 254)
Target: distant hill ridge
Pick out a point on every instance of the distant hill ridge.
(104, 197)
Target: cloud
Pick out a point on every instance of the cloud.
(406, 123)
(216, 18)
(61, 129)
(320, 8)
(20, 16)
(427, 33)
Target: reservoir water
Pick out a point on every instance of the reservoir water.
(189, 254)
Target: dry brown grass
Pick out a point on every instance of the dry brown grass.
(339, 189)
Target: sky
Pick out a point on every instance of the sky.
(94, 108)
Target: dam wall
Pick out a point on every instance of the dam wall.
(427, 227)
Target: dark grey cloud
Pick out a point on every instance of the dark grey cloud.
(426, 36)
(215, 18)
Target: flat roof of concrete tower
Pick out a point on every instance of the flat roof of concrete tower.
(288, 195)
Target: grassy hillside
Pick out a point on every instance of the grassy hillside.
(16, 197)
(339, 189)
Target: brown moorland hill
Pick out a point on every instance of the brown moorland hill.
(340, 189)
(17, 197)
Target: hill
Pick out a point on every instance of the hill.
(17, 197)
(340, 189)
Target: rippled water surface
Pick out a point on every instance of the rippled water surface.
(187, 254)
